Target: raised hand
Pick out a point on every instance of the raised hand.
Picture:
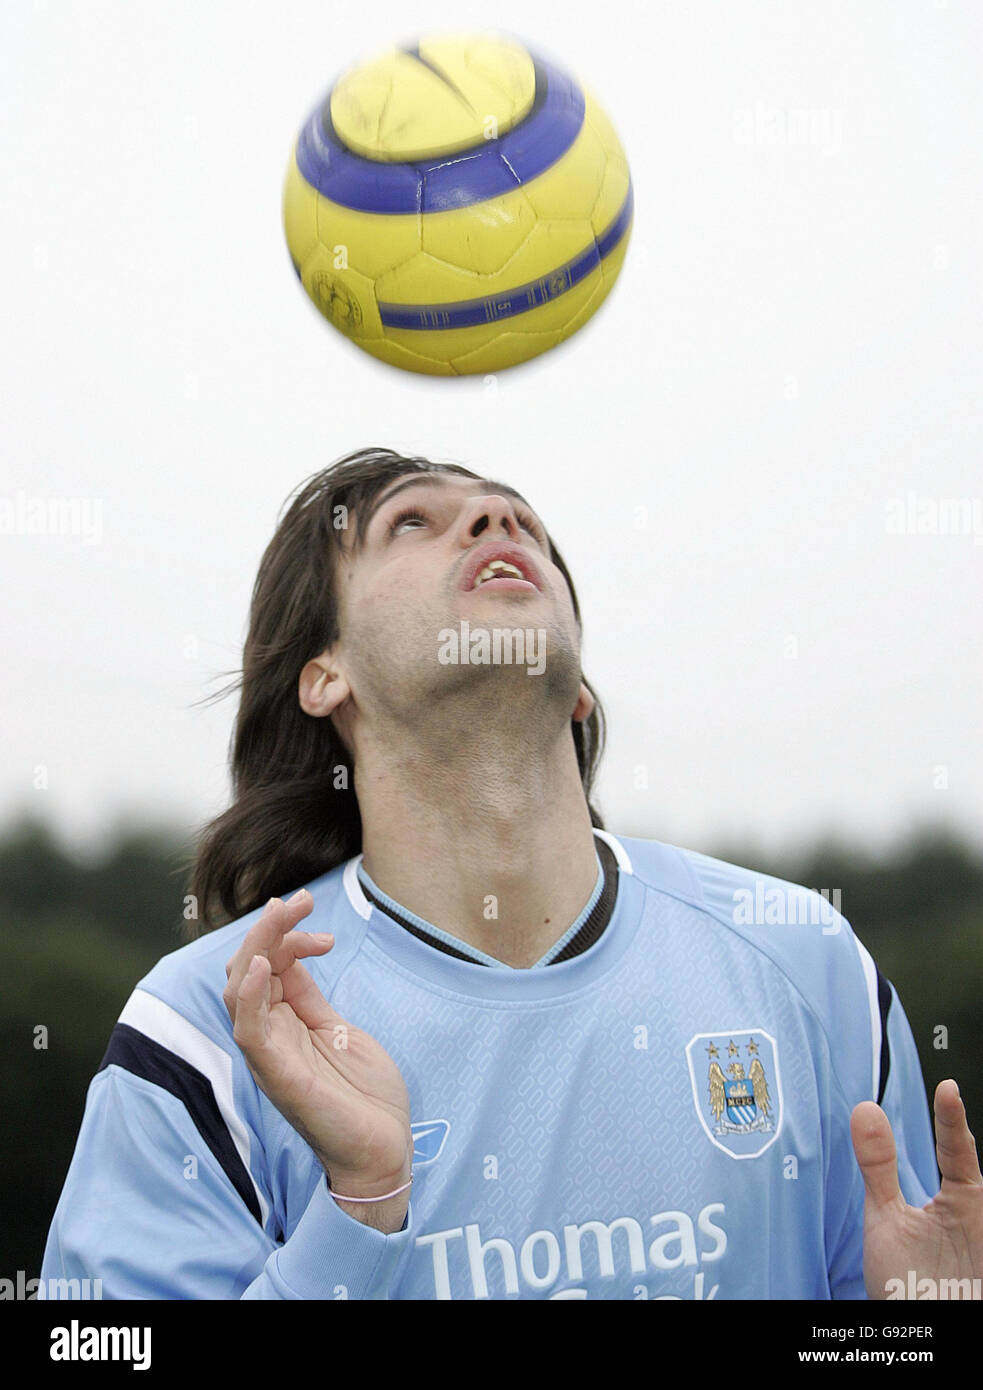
(940, 1241)
(333, 1083)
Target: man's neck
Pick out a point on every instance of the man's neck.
(492, 844)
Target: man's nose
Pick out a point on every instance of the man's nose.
(491, 514)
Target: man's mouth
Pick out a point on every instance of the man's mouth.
(498, 569)
(501, 565)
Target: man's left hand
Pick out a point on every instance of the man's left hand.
(940, 1241)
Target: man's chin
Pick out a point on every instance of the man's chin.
(505, 670)
(503, 648)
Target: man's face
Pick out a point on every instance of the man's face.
(441, 549)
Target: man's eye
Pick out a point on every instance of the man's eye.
(530, 524)
(410, 514)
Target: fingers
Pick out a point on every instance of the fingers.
(273, 936)
(955, 1146)
(252, 1007)
(877, 1155)
(308, 1003)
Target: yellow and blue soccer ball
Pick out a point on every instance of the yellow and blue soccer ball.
(457, 205)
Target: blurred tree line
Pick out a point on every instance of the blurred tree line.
(78, 936)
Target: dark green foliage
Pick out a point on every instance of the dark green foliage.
(75, 938)
(920, 914)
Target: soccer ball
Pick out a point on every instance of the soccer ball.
(457, 205)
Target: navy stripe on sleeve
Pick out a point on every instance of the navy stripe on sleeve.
(135, 1052)
(884, 997)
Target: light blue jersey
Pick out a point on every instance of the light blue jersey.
(665, 1115)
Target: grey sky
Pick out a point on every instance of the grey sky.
(787, 371)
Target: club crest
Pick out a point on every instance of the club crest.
(737, 1089)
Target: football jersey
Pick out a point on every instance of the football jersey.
(665, 1114)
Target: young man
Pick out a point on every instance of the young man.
(525, 1058)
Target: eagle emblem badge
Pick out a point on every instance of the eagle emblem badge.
(737, 1089)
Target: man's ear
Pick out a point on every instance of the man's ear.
(584, 707)
(322, 688)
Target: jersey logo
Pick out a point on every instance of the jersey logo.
(737, 1089)
(428, 1140)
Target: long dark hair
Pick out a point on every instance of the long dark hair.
(294, 813)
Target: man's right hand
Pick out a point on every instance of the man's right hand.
(337, 1087)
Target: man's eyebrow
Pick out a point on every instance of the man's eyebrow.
(431, 480)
